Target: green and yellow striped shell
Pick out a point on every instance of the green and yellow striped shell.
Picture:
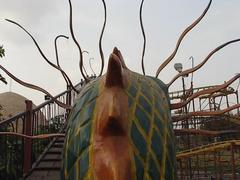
(150, 132)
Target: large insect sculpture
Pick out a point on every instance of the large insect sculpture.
(120, 124)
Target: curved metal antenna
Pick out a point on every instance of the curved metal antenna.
(205, 91)
(91, 65)
(144, 37)
(35, 87)
(83, 65)
(188, 71)
(42, 54)
(184, 33)
(75, 41)
(56, 52)
(100, 40)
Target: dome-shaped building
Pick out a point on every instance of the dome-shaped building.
(12, 104)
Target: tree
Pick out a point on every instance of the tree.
(2, 53)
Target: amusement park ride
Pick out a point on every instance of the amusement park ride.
(121, 125)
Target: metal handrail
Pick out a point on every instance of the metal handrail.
(17, 116)
(42, 117)
(48, 117)
(50, 101)
(34, 110)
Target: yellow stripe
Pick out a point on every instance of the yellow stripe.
(164, 153)
(149, 139)
(155, 160)
(77, 171)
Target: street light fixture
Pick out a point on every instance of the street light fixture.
(178, 67)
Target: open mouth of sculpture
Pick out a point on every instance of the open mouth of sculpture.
(113, 128)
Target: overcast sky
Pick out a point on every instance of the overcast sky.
(164, 21)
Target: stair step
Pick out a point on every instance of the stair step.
(57, 145)
(60, 140)
(54, 152)
(47, 168)
(52, 156)
(51, 159)
(49, 165)
(55, 149)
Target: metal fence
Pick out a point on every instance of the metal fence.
(17, 154)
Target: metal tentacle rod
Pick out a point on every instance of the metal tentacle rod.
(83, 65)
(144, 36)
(42, 54)
(91, 65)
(205, 91)
(35, 87)
(185, 32)
(76, 42)
(100, 39)
(56, 52)
(188, 71)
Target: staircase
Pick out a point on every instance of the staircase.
(48, 165)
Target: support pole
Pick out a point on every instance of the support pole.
(69, 98)
(205, 167)
(233, 162)
(215, 164)
(181, 169)
(28, 142)
(185, 110)
(237, 97)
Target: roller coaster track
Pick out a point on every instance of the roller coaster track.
(207, 148)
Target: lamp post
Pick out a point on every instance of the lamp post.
(178, 67)
(192, 59)
(237, 95)
(191, 89)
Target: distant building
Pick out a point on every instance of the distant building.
(12, 104)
